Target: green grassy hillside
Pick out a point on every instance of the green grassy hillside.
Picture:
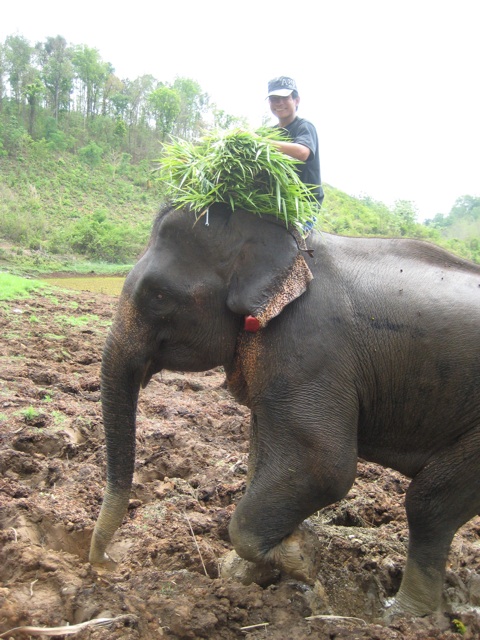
(62, 212)
(56, 209)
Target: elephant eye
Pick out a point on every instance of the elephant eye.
(162, 304)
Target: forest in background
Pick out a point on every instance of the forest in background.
(77, 156)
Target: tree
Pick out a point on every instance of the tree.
(120, 130)
(193, 103)
(224, 120)
(463, 221)
(137, 92)
(34, 92)
(437, 222)
(18, 54)
(466, 207)
(92, 74)
(465, 213)
(2, 74)
(165, 105)
(119, 103)
(57, 72)
(407, 212)
(112, 87)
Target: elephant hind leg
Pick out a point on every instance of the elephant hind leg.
(442, 497)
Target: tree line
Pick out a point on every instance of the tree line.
(59, 91)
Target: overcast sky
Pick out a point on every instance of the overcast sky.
(392, 85)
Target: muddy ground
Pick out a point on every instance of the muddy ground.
(190, 473)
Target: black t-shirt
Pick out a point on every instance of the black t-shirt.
(303, 132)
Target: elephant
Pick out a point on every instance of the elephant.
(342, 348)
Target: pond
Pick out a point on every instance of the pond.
(112, 285)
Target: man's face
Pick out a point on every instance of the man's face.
(284, 108)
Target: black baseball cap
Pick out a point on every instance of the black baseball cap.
(282, 86)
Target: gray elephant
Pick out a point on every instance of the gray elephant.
(341, 347)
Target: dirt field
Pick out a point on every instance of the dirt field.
(190, 473)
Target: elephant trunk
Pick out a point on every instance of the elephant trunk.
(120, 388)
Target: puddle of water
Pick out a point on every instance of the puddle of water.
(111, 285)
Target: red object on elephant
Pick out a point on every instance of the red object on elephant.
(252, 324)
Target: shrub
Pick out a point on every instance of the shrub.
(99, 239)
(91, 154)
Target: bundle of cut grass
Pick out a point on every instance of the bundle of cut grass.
(241, 169)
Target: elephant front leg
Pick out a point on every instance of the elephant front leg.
(296, 554)
(291, 476)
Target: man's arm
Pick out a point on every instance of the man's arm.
(294, 150)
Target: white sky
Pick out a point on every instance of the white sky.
(392, 86)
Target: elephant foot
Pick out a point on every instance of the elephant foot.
(317, 599)
(433, 623)
(297, 555)
(391, 611)
(102, 561)
(394, 609)
(245, 572)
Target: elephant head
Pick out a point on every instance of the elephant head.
(201, 283)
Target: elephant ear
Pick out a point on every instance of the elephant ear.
(268, 275)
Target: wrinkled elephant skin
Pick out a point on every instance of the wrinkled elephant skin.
(341, 347)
